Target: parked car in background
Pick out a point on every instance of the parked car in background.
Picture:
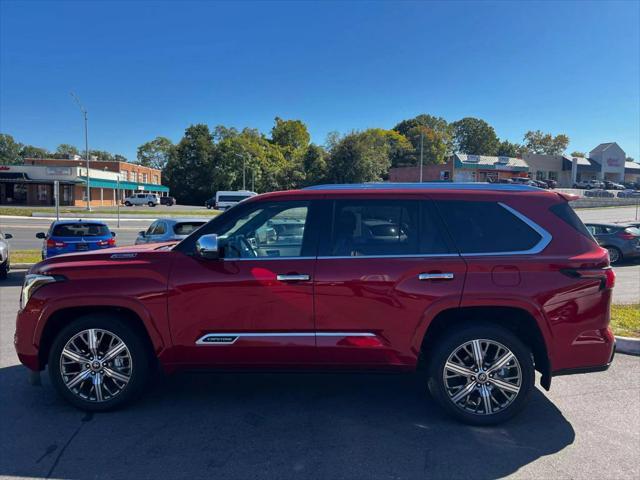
(526, 181)
(629, 194)
(609, 185)
(167, 200)
(362, 278)
(150, 199)
(551, 183)
(5, 255)
(71, 236)
(169, 230)
(622, 241)
(224, 200)
(599, 192)
(589, 184)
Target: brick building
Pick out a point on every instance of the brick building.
(32, 183)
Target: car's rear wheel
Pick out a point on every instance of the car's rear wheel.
(481, 374)
(99, 363)
(151, 204)
(615, 255)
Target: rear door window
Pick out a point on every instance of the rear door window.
(185, 228)
(486, 227)
(373, 228)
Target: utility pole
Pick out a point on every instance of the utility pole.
(244, 172)
(421, 153)
(86, 147)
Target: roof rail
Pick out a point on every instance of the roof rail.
(505, 187)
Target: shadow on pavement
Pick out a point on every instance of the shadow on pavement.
(271, 426)
(14, 278)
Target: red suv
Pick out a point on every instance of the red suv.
(474, 285)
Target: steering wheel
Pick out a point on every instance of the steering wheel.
(241, 246)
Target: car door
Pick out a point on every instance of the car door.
(158, 233)
(254, 305)
(383, 267)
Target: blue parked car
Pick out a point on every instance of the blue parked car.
(70, 236)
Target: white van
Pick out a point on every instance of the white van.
(150, 199)
(227, 199)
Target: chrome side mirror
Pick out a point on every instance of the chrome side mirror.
(207, 246)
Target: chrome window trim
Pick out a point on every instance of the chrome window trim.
(202, 339)
(414, 255)
(244, 259)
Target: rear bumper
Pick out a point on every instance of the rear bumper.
(592, 369)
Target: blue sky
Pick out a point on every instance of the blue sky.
(144, 69)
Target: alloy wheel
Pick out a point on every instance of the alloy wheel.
(614, 255)
(482, 377)
(96, 365)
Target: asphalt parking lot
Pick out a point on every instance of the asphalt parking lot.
(278, 426)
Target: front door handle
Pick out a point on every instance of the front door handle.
(435, 276)
(294, 277)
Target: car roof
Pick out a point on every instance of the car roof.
(182, 219)
(78, 220)
(427, 186)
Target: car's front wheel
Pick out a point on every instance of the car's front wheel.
(481, 374)
(127, 204)
(99, 363)
(4, 269)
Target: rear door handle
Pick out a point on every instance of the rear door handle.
(435, 276)
(293, 278)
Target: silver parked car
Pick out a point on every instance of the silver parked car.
(5, 261)
(169, 230)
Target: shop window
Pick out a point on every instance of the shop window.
(553, 176)
(42, 193)
(134, 176)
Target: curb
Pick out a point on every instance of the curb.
(21, 266)
(628, 345)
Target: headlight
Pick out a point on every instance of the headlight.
(32, 282)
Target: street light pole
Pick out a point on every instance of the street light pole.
(86, 147)
(244, 172)
(421, 153)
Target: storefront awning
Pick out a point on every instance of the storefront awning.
(147, 187)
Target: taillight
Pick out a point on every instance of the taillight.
(607, 275)
(625, 235)
(111, 242)
(53, 244)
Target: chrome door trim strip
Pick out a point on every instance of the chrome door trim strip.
(233, 337)
(415, 255)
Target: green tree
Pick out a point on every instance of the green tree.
(120, 158)
(101, 155)
(578, 154)
(189, 170)
(155, 154)
(29, 151)
(290, 133)
(9, 150)
(360, 157)
(508, 149)
(475, 137)
(65, 150)
(315, 165)
(435, 134)
(545, 143)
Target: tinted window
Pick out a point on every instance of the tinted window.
(565, 212)
(486, 227)
(185, 228)
(432, 233)
(374, 227)
(268, 230)
(81, 230)
(161, 229)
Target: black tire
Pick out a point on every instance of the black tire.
(450, 342)
(615, 255)
(141, 361)
(4, 269)
(127, 204)
(151, 204)
(208, 207)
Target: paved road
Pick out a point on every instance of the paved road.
(313, 426)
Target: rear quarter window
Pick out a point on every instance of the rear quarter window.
(486, 227)
(185, 228)
(565, 213)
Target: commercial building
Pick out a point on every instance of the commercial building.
(605, 162)
(32, 183)
(464, 168)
